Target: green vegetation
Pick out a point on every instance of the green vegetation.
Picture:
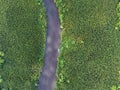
(22, 39)
(1, 62)
(90, 50)
(117, 27)
(1, 54)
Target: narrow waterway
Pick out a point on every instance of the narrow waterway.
(48, 77)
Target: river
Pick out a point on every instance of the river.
(48, 76)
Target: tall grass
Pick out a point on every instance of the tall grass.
(22, 39)
(89, 58)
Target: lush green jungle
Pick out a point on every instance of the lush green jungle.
(90, 50)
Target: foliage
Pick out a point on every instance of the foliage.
(90, 45)
(1, 54)
(118, 14)
(1, 62)
(22, 39)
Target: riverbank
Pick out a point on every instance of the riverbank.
(22, 39)
(89, 57)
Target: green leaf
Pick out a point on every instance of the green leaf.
(1, 53)
(1, 60)
(113, 87)
(1, 80)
